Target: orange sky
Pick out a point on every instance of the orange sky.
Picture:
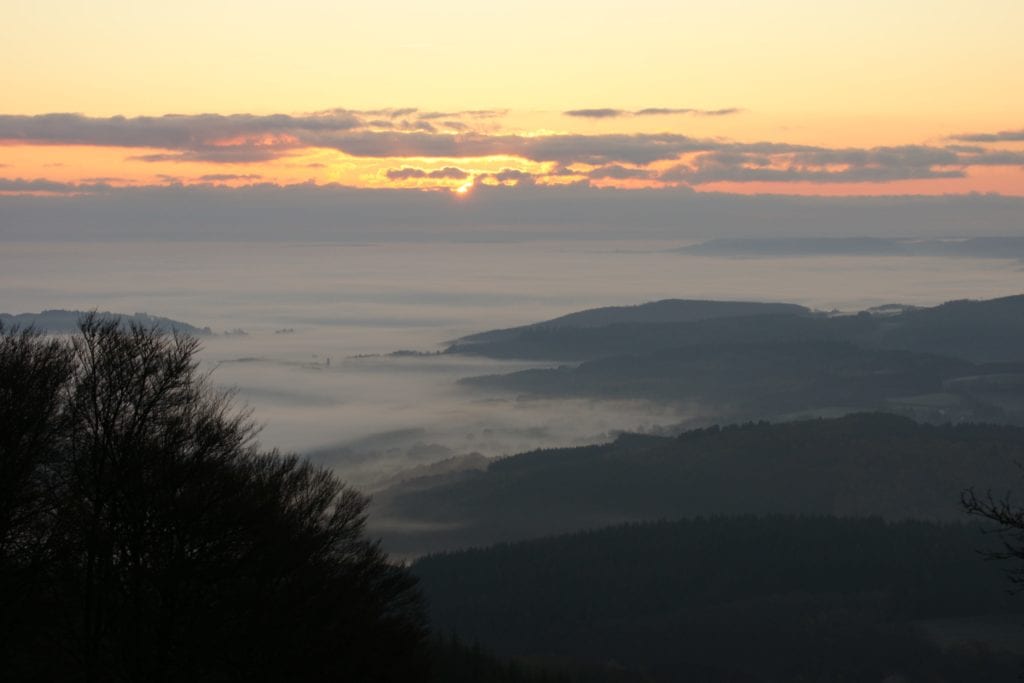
(792, 97)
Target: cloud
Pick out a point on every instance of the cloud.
(449, 172)
(405, 173)
(661, 111)
(418, 124)
(171, 131)
(908, 156)
(446, 173)
(616, 172)
(215, 177)
(718, 112)
(510, 176)
(994, 158)
(485, 113)
(563, 149)
(1001, 136)
(224, 155)
(395, 113)
(414, 112)
(602, 149)
(561, 171)
(596, 113)
(237, 138)
(431, 115)
(608, 113)
(18, 185)
(879, 165)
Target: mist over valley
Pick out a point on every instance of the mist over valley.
(370, 412)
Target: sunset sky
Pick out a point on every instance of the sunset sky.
(785, 97)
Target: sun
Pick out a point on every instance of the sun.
(464, 189)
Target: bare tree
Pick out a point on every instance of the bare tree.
(1010, 521)
(177, 549)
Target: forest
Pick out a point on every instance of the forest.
(741, 598)
(870, 464)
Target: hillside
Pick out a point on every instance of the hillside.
(739, 599)
(57, 321)
(665, 311)
(858, 465)
(960, 361)
(751, 381)
(979, 331)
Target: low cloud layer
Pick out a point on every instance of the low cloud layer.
(512, 211)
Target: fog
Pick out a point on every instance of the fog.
(368, 415)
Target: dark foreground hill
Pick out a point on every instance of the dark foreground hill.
(742, 599)
(859, 465)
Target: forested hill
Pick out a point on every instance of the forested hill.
(665, 311)
(744, 381)
(58, 321)
(741, 599)
(859, 465)
(979, 331)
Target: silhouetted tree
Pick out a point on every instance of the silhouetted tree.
(165, 545)
(1010, 521)
(33, 375)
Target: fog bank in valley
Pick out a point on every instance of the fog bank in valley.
(291, 307)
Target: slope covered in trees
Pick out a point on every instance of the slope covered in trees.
(961, 361)
(859, 465)
(978, 331)
(654, 312)
(749, 381)
(738, 599)
(145, 537)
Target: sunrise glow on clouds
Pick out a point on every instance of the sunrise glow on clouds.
(789, 97)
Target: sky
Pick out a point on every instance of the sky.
(790, 97)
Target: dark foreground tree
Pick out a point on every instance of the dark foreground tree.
(145, 537)
(1010, 520)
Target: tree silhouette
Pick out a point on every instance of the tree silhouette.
(146, 537)
(1010, 521)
